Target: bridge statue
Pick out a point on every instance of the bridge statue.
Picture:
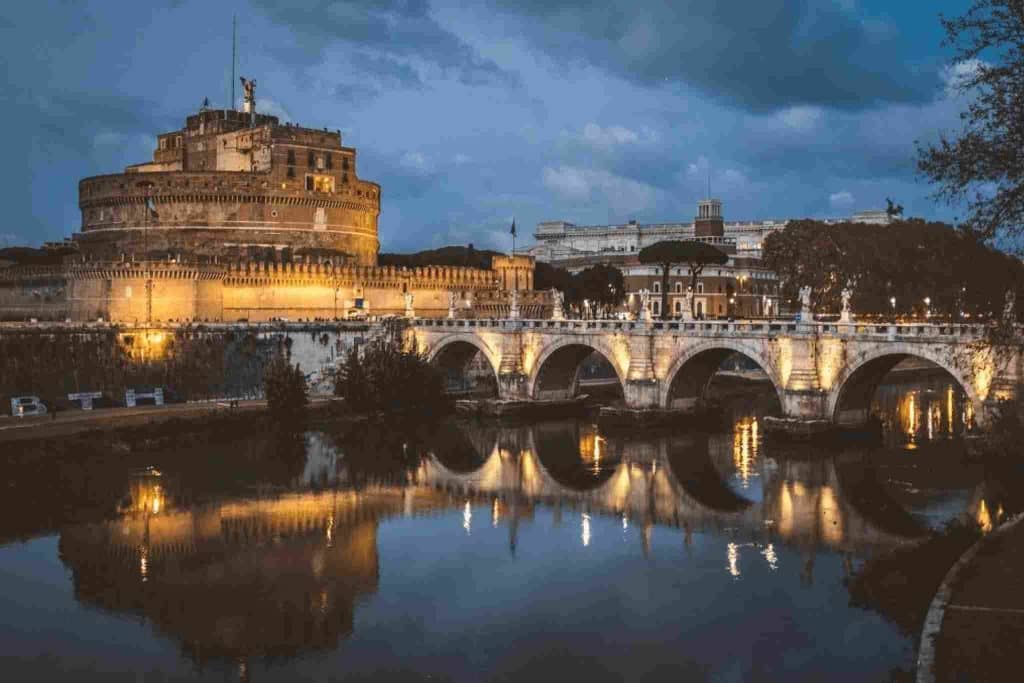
(1008, 313)
(687, 310)
(644, 314)
(452, 298)
(558, 307)
(845, 315)
(805, 305)
(409, 311)
(513, 308)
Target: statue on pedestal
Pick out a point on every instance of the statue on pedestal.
(845, 315)
(409, 312)
(644, 314)
(805, 305)
(452, 298)
(1009, 316)
(687, 310)
(248, 95)
(513, 309)
(558, 308)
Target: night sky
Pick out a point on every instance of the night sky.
(470, 113)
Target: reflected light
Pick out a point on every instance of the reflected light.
(949, 409)
(744, 449)
(467, 517)
(733, 553)
(585, 530)
(144, 563)
(770, 557)
(495, 513)
(984, 518)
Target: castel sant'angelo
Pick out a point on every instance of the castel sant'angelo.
(242, 217)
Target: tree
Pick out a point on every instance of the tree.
(547, 276)
(388, 377)
(694, 254)
(284, 385)
(983, 165)
(602, 285)
(930, 268)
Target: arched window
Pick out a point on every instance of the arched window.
(656, 288)
(656, 307)
(700, 287)
(679, 288)
(679, 306)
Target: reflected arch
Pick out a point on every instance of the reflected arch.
(849, 402)
(575, 456)
(556, 372)
(689, 460)
(454, 353)
(690, 374)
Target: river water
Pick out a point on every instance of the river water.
(469, 551)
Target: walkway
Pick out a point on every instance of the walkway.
(72, 422)
(983, 627)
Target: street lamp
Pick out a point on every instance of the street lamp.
(892, 302)
(927, 307)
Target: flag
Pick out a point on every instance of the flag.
(513, 230)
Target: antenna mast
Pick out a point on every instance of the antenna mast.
(231, 105)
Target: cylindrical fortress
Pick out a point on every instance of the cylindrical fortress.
(234, 186)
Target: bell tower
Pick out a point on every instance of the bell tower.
(709, 221)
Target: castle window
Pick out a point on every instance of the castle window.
(320, 163)
(320, 183)
(311, 159)
(163, 143)
(344, 177)
(291, 157)
(344, 163)
(329, 160)
(291, 171)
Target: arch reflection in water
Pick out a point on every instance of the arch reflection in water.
(252, 576)
(690, 482)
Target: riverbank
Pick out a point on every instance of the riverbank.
(120, 430)
(982, 613)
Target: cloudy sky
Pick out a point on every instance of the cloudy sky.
(470, 113)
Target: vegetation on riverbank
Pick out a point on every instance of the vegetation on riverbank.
(387, 376)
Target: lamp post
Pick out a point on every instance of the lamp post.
(892, 302)
(927, 307)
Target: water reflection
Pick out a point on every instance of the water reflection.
(917, 410)
(235, 575)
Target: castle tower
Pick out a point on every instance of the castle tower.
(709, 222)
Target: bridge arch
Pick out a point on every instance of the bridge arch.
(455, 351)
(849, 400)
(557, 366)
(693, 369)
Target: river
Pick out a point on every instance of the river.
(471, 551)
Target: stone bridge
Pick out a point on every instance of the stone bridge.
(824, 373)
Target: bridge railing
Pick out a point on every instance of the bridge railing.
(720, 327)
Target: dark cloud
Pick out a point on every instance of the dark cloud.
(390, 33)
(758, 54)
